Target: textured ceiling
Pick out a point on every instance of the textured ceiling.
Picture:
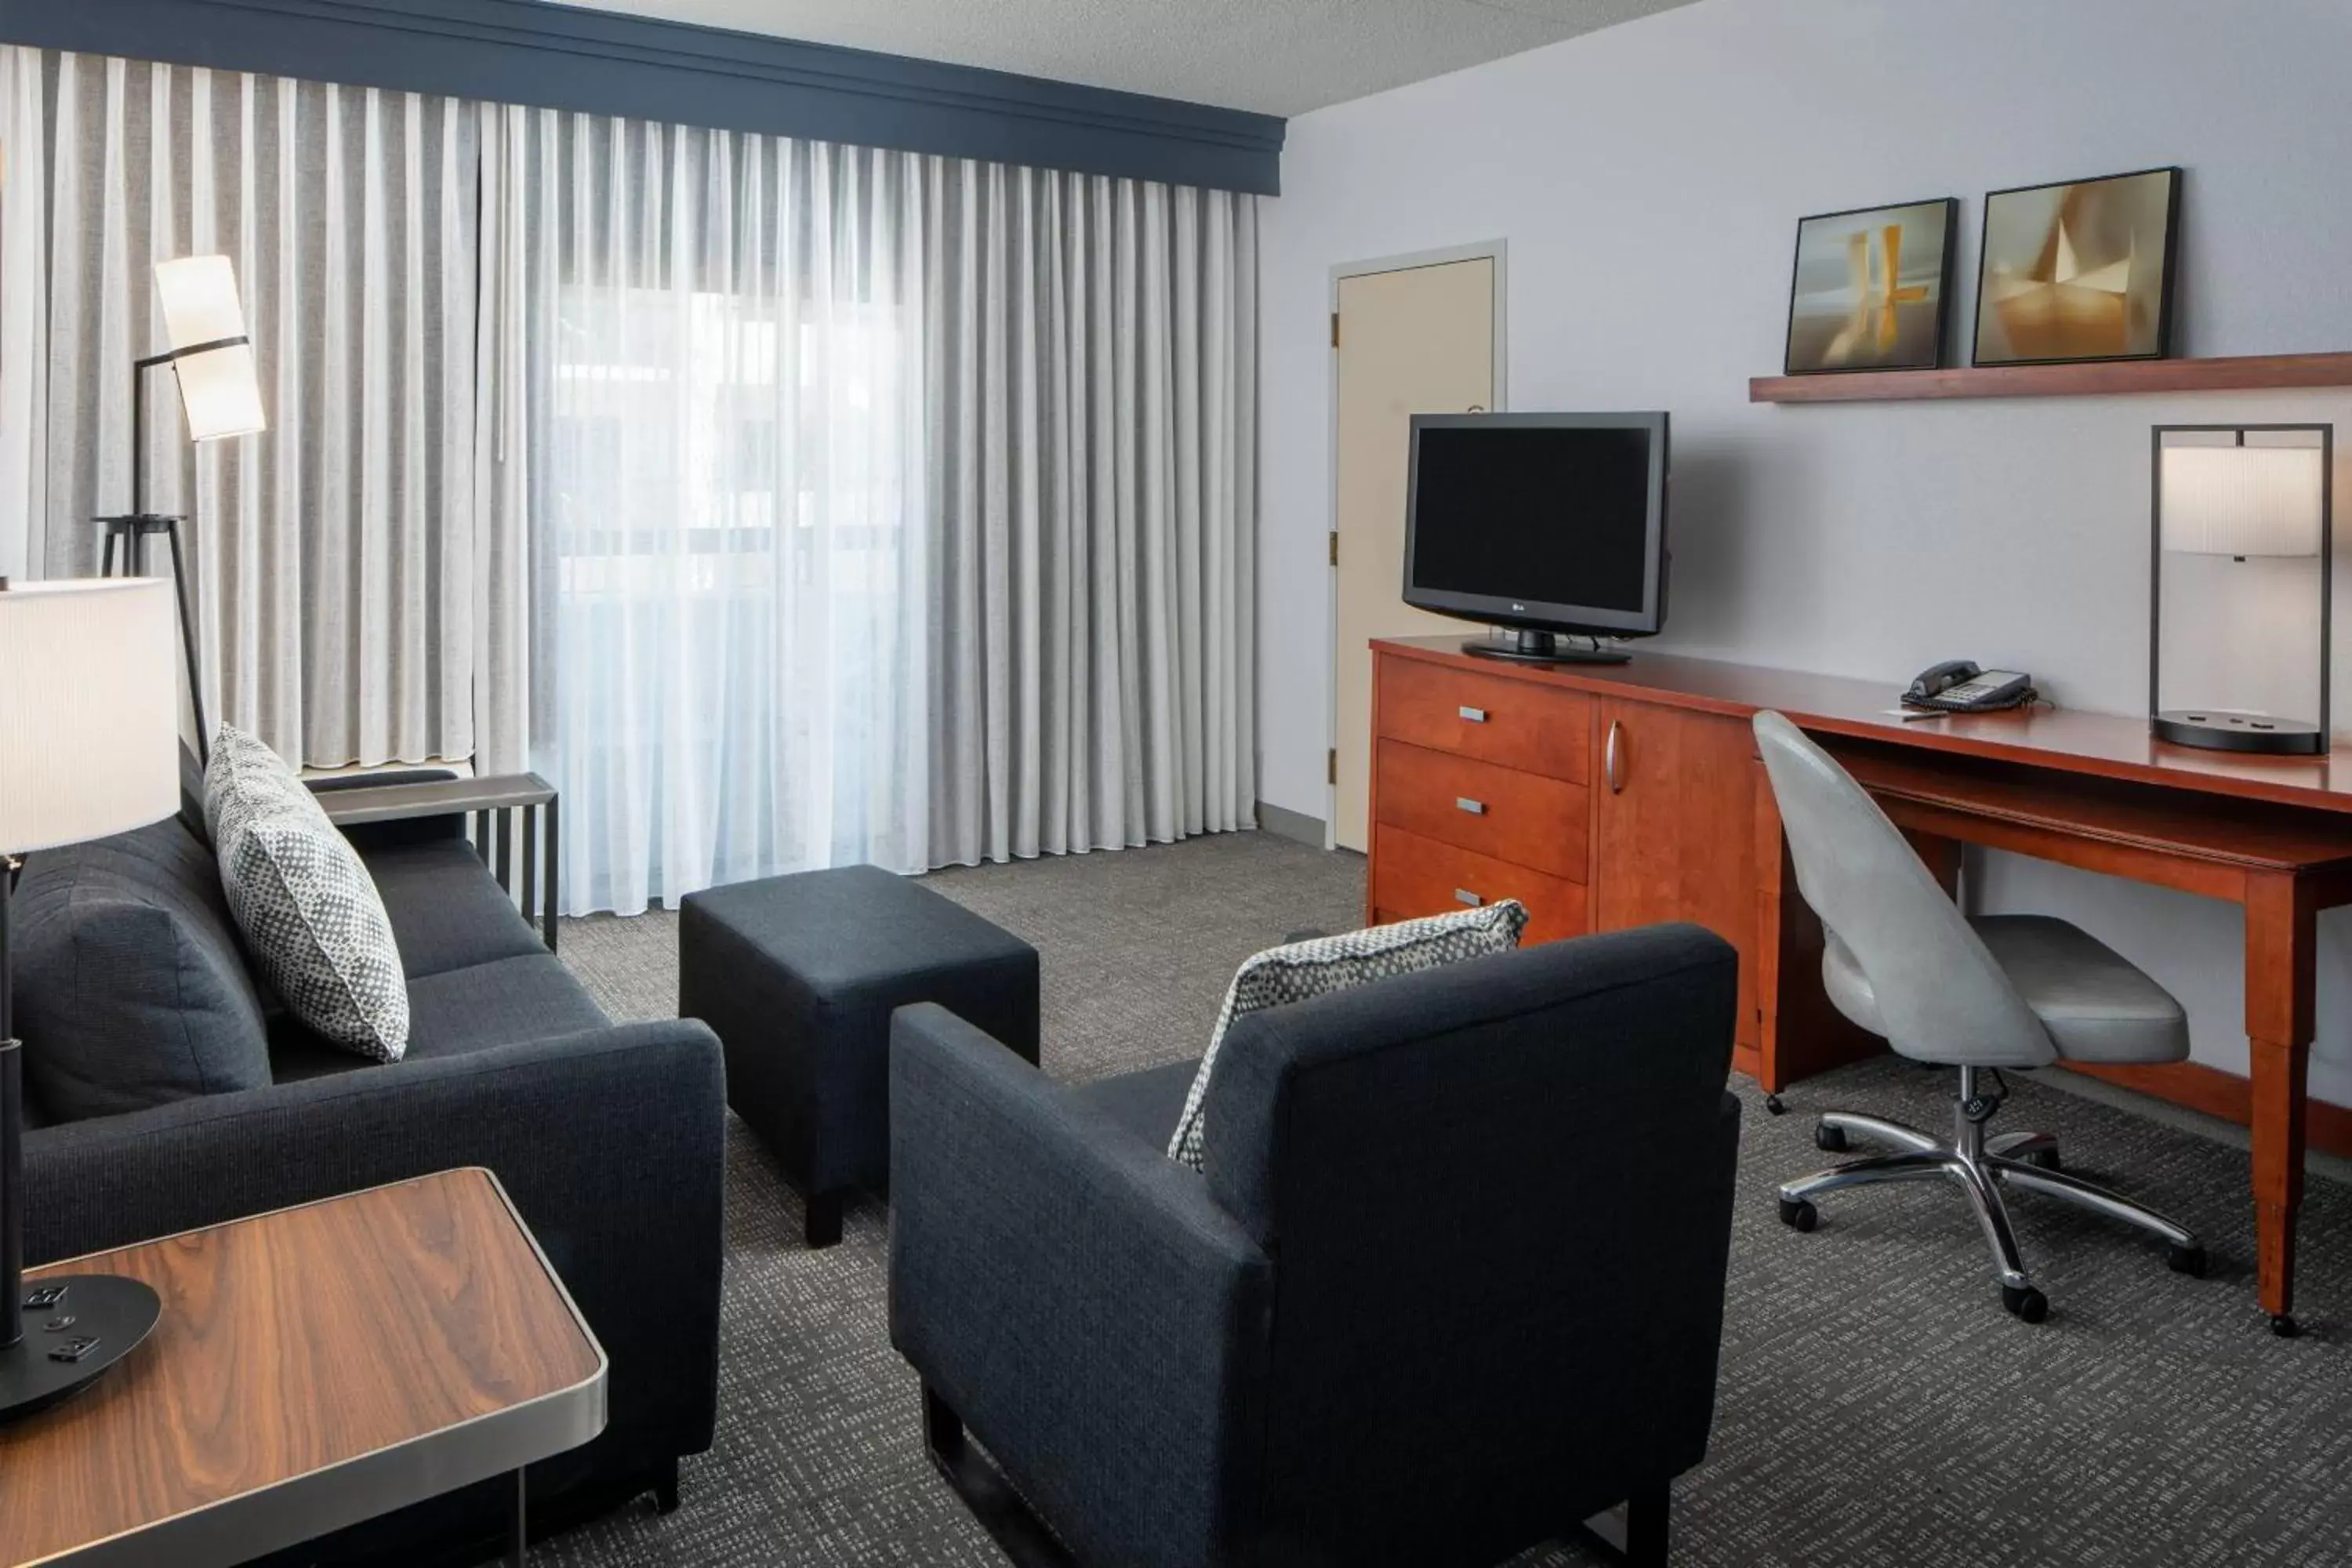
(1277, 57)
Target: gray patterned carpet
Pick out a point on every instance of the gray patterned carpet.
(1877, 1407)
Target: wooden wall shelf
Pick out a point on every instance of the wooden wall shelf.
(2244, 372)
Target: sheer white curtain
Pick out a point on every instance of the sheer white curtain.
(888, 508)
(725, 373)
(334, 559)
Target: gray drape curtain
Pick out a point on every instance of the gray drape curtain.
(24, 317)
(334, 559)
(1091, 368)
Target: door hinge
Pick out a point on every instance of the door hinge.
(1335, 329)
(1335, 547)
(1331, 766)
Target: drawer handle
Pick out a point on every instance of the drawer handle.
(1612, 756)
(1465, 896)
(1475, 715)
(1474, 807)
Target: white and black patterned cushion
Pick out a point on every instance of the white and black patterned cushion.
(1329, 964)
(310, 911)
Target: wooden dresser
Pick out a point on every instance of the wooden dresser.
(1595, 809)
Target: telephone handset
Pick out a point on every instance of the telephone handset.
(1958, 686)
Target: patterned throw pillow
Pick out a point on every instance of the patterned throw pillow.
(1329, 964)
(309, 910)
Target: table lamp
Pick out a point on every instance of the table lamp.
(2218, 493)
(220, 391)
(89, 747)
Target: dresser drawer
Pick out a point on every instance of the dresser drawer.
(1524, 818)
(1415, 877)
(1496, 719)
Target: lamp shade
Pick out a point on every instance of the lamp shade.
(90, 730)
(2242, 501)
(219, 388)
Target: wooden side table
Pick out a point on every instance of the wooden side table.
(314, 1368)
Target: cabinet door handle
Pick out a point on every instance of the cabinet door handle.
(1465, 896)
(1613, 756)
(1474, 807)
(1475, 715)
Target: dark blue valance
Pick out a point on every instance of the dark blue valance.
(562, 57)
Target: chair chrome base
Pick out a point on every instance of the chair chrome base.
(1980, 1166)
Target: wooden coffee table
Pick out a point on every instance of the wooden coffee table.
(314, 1368)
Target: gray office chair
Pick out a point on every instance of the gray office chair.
(1982, 994)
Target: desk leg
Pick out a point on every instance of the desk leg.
(2281, 980)
(1940, 855)
(520, 1545)
(1799, 1032)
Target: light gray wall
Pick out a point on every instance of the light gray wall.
(1649, 179)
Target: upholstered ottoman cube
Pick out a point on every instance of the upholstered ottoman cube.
(799, 976)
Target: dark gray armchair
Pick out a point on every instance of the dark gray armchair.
(1451, 1280)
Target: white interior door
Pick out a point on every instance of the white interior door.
(1411, 340)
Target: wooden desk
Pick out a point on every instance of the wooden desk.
(1682, 826)
(314, 1368)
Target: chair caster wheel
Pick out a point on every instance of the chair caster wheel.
(1773, 1103)
(1799, 1215)
(1829, 1139)
(2045, 1160)
(2284, 1326)
(2030, 1304)
(2188, 1260)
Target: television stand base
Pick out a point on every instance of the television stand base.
(1543, 647)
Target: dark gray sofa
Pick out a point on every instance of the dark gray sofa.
(1451, 1281)
(609, 1138)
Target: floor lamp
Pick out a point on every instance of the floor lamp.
(89, 747)
(212, 357)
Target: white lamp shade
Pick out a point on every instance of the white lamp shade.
(220, 388)
(222, 394)
(89, 731)
(198, 294)
(2242, 501)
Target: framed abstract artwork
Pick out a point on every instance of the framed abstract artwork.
(1871, 288)
(2079, 271)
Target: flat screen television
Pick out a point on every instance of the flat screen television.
(1549, 524)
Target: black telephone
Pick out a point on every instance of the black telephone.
(1958, 686)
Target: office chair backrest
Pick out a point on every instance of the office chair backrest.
(1938, 993)
(1497, 1200)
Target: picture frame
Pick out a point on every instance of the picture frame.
(1871, 289)
(2063, 270)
